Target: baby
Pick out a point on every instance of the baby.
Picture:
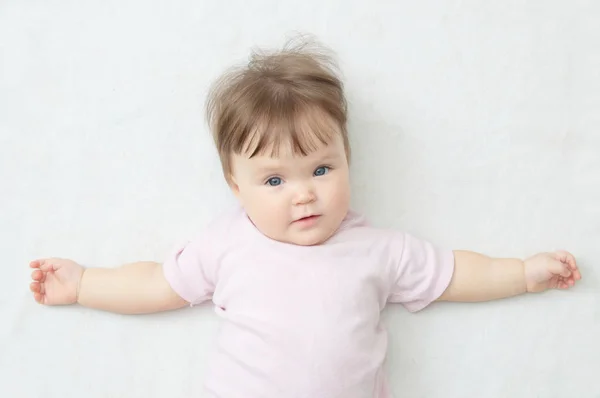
(298, 278)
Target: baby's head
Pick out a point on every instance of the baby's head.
(279, 125)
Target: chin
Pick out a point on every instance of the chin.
(300, 242)
(310, 239)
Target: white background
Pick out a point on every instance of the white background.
(474, 124)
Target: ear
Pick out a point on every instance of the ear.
(235, 189)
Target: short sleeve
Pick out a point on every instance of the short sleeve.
(420, 271)
(190, 270)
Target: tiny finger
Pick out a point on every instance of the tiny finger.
(38, 297)
(34, 287)
(37, 275)
(42, 264)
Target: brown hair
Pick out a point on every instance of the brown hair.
(292, 96)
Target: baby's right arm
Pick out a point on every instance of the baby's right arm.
(135, 288)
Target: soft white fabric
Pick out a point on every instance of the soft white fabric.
(304, 321)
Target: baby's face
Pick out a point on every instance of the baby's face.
(295, 199)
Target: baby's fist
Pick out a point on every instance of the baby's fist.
(55, 281)
(555, 270)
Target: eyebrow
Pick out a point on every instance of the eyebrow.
(268, 169)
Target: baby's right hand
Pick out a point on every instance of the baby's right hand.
(55, 281)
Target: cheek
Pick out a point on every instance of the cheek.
(271, 200)
(343, 195)
(342, 186)
(335, 193)
(250, 197)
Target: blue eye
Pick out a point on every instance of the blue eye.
(274, 181)
(321, 170)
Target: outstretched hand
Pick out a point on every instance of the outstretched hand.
(555, 270)
(55, 281)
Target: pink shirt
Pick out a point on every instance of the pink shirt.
(304, 321)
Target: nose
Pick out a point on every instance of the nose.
(304, 194)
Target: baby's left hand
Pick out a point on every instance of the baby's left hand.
(555, 270)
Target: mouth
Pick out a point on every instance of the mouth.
(307, 219)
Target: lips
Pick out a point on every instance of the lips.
(312, 217)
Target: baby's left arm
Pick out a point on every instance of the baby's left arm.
(480, 278)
